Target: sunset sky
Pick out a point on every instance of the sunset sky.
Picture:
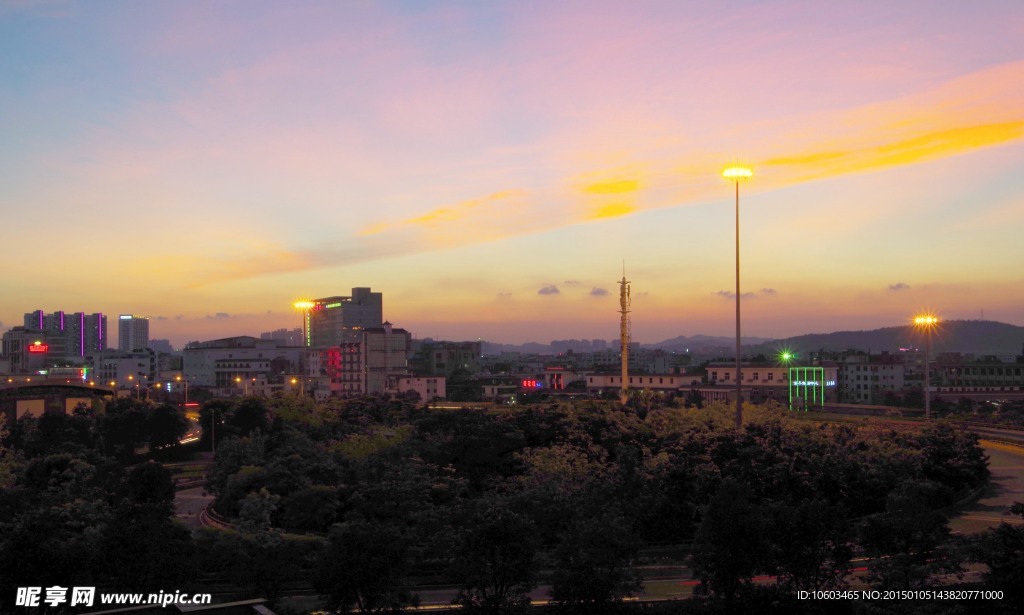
(490, 166)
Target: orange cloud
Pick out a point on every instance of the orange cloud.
(451, 214)
(928, 146)
(618, 186)
(979, 110)
(613, 211)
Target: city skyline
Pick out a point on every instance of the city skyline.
(489, 168)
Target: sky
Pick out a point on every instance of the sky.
(494, 167)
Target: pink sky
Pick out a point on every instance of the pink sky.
(185, 161)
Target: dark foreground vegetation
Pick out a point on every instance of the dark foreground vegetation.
(361, 499)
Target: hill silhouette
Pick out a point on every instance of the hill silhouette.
(978, 337)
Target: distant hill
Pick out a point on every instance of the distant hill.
(979, 337)
(697, 343)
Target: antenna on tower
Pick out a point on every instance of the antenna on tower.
(624, 302)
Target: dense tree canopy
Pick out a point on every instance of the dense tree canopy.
(365, 494)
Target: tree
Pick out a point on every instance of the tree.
(906, 540)
(123, 428)
(265, 562)
(592, 565)
(165, 426)
(364, 567)
(211, 419)
(150, 486)
(1002, 550)
(250, 415)
(811, 544)
(8, 467)
(730, 547)
(256, 511)
(493, 561)
(310, 509)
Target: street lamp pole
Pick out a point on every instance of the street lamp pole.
(927, 323)
(736, 174)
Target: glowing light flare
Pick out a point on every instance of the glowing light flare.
(737, 173)
(303, 305)
(925, 321)
(785, 356)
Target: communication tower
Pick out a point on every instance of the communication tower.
(624, 333)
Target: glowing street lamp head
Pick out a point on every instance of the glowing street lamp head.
(737, 173)
(925, 321)
(303, 305)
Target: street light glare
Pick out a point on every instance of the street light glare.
(926, 320)
(737, 172)
(303, 305)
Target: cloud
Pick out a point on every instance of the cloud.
(548, 290)
(619, 186)
(572, 283)
(161, 318)
(598, 292)
(218, 315)
(592, 185)
(728, 294)
(769, 291)
(447, 215)
(899, 286)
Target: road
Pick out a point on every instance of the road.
(1006, 486)
(188, 503)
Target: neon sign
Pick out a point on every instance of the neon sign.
(532, 384)
(38, 347)
(812, 383)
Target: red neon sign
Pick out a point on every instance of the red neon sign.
(39, 347)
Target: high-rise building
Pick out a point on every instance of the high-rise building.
(387, 354)
(335, 320)
(70, 335)
(290, 337)
(132, 332)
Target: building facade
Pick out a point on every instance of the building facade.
(70, 334)
(333, 320)
(132, 332)
(232, 362)
(387, 356)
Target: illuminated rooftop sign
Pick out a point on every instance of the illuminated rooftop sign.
(38, 347)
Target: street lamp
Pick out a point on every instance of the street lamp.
(926, 323)
(736, 174)
(185, 381)
(304, 306)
